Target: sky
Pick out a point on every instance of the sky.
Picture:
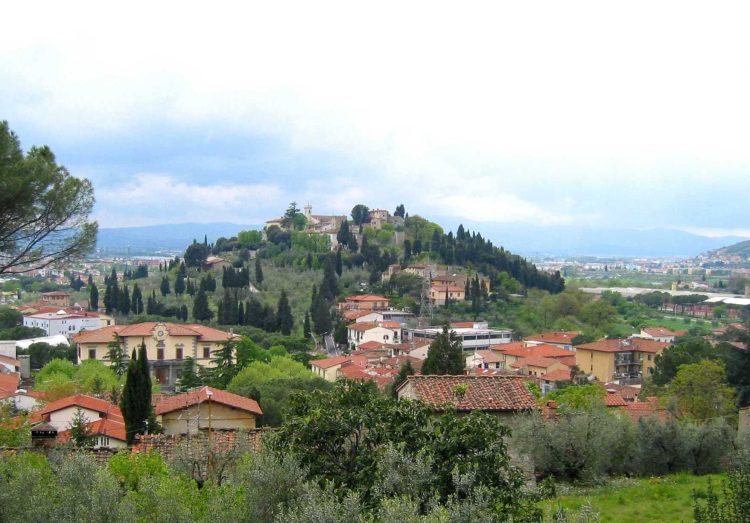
(596, 114)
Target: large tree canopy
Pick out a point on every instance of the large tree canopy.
(43, 209)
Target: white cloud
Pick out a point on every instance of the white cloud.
(156, 198)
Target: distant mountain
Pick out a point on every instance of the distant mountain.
(154, 239)
(738, 249)
(588, 241)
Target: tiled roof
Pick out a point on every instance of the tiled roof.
(194, 397)
(104, 335)
(103, 407)
(354, 314)
(658, 332)
(370, 345)
(535, 361)
(462, 324)
(490, 356)
(504, 347)
(624, 345)
(489, 393)
(9, 361)
(542, 351)
(364, 326)
(613, 399)
(9, 382)
(560, 338)
(366, 297)
(557, 375)
(329, 362)
(105, 427)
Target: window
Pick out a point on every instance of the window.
(178, 353)
(92, 354)
(206, 351)
(160, 353)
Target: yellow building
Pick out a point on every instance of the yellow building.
(619, 358)
(167, 344)
(205, 408)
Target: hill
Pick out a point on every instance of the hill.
(171, 238)
(741, 249)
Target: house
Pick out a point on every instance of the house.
(327, 368)
(485, 359)
(440, 293)
(384, 332)
(200, 408)
(214, 262)
(658, 334)
(104, 419)
(167, 344)
(514, 352)
(538, 366)
(382, 315)
(423, 271)
(548, 381)
(365, 302)
(500, 395)
(619, 358)
(60, 299)
(561, 339)
(61, 322)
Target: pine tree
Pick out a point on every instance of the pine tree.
(258, 272)
(93, 297)
(80, 430)
(284, 315)
(201, 310)
(445, 355)
(164, 287)
(223, 366)
(116, 356)
(189, 377)
(137, 300)
(306, 326)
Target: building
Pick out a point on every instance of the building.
(381, 332)
(473, 335)
(214, 262)
(328, 368)
(517, 351)
(452, 293)
(614, 359)
(538, 366)
(206, 407)
(658, 334)
(59, 299)
(167, 345)
(485, 359)
(500, 395)
(61, 322)
(365, 302)
(104, 419)
(380, 316)
(561, 339)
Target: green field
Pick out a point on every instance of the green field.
(666, 498)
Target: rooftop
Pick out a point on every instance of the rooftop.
(201, 395)
(488, 393)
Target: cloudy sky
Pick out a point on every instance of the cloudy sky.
(607, 114)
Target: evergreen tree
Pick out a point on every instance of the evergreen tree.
(314, 298)
(270, 321)
(339, 264)
(137, 300)
(91, 280)
(190, 288)
(353, 245)
(445, 355)
(258, 271)
(183, 312)
(223, 366)
(164, 287)
(93, 297)
(405, 371)
(240, 314)
(116, 356)
(228, 309)
(407, 250)
(124, 301)
(306, 326)
(322, 316)
(179, 284)
(329, 288)
(201, 310)
(80, 430)
(189, 378)
(135, 403)
(254, 313)
(284, 315)
(343, 235)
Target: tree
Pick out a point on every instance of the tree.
(403, 373)
(93, 297)
(306, 326)
(189, 376)
(685, 351)
(258, 272)
(284, 315)
(360, 213)
(164, 287)
(339, 263)
(137, 300)
(700, 391)
(400, 210)
(445, 355)
(116, 356)
(196, 255)
(201, 310)
(343, 236)
(9, 318)
(136, 395)
(179, 284)
(223, 367)
(80, 430)
(321, 316)
(43, 209)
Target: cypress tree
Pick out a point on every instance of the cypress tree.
(201, 310)
(183, 312)
(322, 316)
(258, 271)
(284, 314)
(179, 284)
(137, 300)
(93, 297)
(445, 355)
(329, 289)
(124, 301)
(190, 288)
(164, 287)
(314, 298)
(129, 401)
(306, 326)
(254, 313)
(339, 264)
(240, 314)
(270, 322)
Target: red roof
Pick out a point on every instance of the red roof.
(535, 361)
(462, 324)
(103, 407)
(490, 356)
(613, 399)
(9, 384)
(557, 375)
(559, 338)
(354, 314)
(489, 393)
(542, 351)
(105, 334)
(503, 347)
(10, 361)
(658, 332)
(366, 297)
(625, 345)
(370, 345)
(197, 396)
(105, 427)
(329, 362)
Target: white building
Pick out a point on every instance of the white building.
(380, 332)
(61, 322)
(473, 335)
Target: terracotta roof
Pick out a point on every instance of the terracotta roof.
(197, 396)
(9, 382)
(542, 351)
(624, 345)
(366, 297)
(104, 335)
(613, 399)
(557, 375)
(105, 427)
(503, 347)
(560, 338)
(370, 345)
(351, 315)
(535, 361)
(462, 324)
(490, 372)
(103, 407)
(354, 372)
(329, 362)
(364, 326)
(490, 356)
(9, 361)
(658, 332)
(489, 393)
(391, 324)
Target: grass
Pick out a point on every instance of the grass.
(662, 499)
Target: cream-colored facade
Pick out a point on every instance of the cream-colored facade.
(196, 417)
